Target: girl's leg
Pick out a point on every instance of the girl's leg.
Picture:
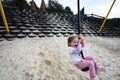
(92, 59)
(87, 63)
(97, 68)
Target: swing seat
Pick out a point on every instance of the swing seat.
(85, 69)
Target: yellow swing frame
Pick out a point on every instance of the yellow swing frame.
(101, 27)
(4, 18)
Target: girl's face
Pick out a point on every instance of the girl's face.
(74, 42)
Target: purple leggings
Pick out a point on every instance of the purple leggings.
(90, 62)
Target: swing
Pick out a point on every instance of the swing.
(87, 68)
(81, 52)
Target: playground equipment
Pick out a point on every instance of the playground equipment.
(101, 27)
(4, 18)
(84, 69)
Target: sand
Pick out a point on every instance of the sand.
(48, 59)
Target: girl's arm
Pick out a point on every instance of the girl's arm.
(77, 49)
(83, 43)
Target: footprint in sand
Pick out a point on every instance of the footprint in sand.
(29, 76)
(41, 54)
(47, 62)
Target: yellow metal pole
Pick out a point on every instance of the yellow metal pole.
(106, 16)
(4, 18)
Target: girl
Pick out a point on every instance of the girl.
(76, 44)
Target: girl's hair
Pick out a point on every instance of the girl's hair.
(70, 39)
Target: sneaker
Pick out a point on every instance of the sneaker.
(101, 69)
(96, 78)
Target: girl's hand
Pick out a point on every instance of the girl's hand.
(81, 40)
(80, 36)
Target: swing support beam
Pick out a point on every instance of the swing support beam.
(4, 18)
(101, 27)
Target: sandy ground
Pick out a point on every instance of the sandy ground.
(48, 59)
